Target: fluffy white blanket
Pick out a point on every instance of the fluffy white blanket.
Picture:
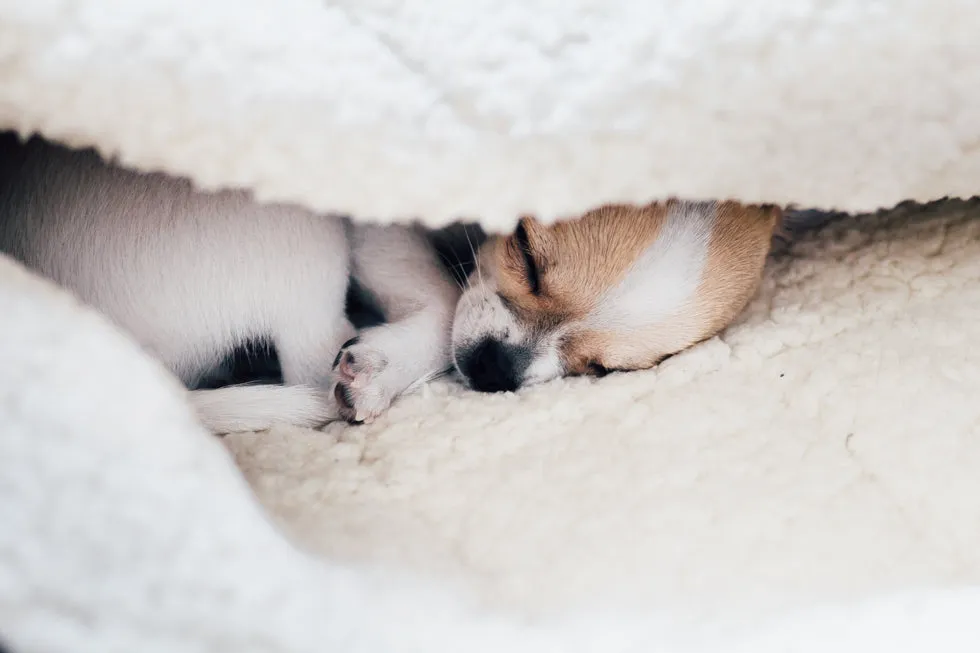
(437, 108)
(807, 481)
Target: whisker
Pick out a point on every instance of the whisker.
(452, 269)
(476, 264)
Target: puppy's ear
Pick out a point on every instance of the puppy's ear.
(778, 216)
(773, 210)
(530, 223)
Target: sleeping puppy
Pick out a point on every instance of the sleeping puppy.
(193, 275)
(620, 288)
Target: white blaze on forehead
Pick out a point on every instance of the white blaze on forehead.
(666, 274)
(481, 314)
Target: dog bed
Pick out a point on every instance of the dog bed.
(805, 481)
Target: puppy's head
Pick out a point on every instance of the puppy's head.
(620, 288)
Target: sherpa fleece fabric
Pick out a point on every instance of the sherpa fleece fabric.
(437, 109)
(806, 481)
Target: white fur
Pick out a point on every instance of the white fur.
(243, 408)
(664, 277)
(191, 275)
(546, 108)
(418, 299)
(546, 364)
(480, 314)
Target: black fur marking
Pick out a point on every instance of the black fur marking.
(255, 361)
(456, 246)
(353, 341)
(362, 306)
(342, 395)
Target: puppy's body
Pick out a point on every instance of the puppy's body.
(192, 275)
(620, 288)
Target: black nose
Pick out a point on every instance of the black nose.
(490, 366)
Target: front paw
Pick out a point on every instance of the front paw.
(361, 392)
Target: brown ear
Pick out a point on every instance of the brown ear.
(530, 223)
(777, 213)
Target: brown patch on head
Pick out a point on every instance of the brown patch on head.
(594, 352)
(585, 352)
(739, 246)
(559, 276)
(737, 252)
(574, 261)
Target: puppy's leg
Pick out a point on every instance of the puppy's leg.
(307, 349)
(400, 268)
(309, 321)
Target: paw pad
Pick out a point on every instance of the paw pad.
(357, 369)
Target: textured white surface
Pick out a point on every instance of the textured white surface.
(709, 506)
(647, 512)
(437, 109)
(824, 448)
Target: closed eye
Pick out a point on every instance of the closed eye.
(597, 370)
(531, 273)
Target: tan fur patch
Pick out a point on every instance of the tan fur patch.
(577, 261)
(736, 255)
